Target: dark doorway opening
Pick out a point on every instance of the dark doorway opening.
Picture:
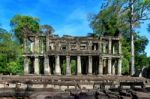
(84, 65)
(31, 65)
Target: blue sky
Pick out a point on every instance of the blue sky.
(66, 16)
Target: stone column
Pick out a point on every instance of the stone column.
(113, 49)
(100, 46)
(113, 68)
(120, 47)
(90, 45)
(47, 70)
(25, 44)
(57, 67)
(119, 66)
(36, 65)
(100, 66)
(36, 44)
(68, 67)
(90, 65)
(109, 66)
(26, 65)
(32, 47)
(78, 65)
(109, 46)
(47, 43)
(104, 48)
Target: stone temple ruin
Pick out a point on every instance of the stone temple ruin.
(96, 75)
(46, 54)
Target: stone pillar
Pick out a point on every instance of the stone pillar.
(36, 65)
(32, 47)
(100, 46)
(100, 66)
(57, 67)
(104, 47)
(109, 66)
(26, 65)
(113, 49)
(119, 66)
(113, 68)
(120, 47)
(25, 44)
(36, 44)
(68, 67)
(78, 46)
(47, 70)
(90, 65)
(68, 46)
(47, 43)
(109, 46)
(90, 46)
(78, 65)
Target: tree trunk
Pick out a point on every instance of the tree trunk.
(132, 39)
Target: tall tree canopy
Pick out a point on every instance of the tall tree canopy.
(46, 29)
(22, 24)
(123, 16)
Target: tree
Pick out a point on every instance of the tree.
(138, 11)
(10, 54)
(121, 16)
(22, 24)
(46, 29)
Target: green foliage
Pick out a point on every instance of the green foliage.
(73, 67)
(148, 62)
(141, 60)
(140, 44)
(64, 67)
(24, 25)
(108, 21)
(114, 18)
(10, 54)
(14, 68)
(125, 68)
